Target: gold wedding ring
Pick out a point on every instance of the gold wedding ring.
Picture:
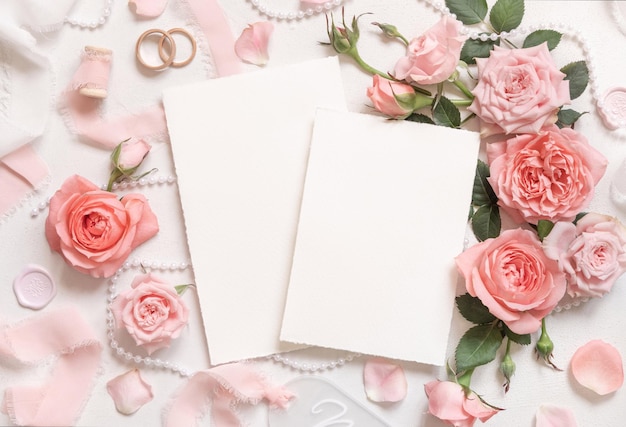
(167, 52)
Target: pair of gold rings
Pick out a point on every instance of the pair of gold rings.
(167, 51)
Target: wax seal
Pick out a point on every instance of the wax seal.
(613, 108)
(34, 287)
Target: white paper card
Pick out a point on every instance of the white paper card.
(240, 145)
(383, 215)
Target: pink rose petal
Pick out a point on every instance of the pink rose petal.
(252, 44)
(384, 381)
(597, 365)
(129, 392)
(555, 416)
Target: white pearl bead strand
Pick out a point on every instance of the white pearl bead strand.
(294, 15)
(106, 12)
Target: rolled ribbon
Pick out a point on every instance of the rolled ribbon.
(58, 401)
(225, 385)
(92, 77)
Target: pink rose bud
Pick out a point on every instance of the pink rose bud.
(454, 405)
(132, 152)
(392, 98)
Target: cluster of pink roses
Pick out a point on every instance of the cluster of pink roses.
(95, 231)
(541, 173)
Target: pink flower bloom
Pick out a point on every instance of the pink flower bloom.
(592, 253)
(129, 392)
(152, 312)
(132, 152)
(384, 381)
(432, 57)
(448, 401)
(555, 416)
(252, 44)
(551, 175)
(382, 94)
(598, 366)
(518, 90)
(93, 230)
(514, 278)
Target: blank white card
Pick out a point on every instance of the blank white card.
(383, 215)
(240, 147)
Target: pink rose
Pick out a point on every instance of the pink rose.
(132, 152)
(151, 311)
(549, 176)
(513, 278)
(94, 231)
(382, 94)
(448, 401)
(518, 90)
(592, 253)
(432, 57)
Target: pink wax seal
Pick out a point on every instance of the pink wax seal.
(34, 287)
(613, 108)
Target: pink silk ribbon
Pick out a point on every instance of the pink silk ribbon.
(224, 386)
(60, 400)
(84, 112)
(21, 171)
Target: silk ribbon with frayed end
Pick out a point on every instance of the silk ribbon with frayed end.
(224, 386)
(60, 400)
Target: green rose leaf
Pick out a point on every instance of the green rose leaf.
(578, 76)
(468, 12)
(567, 117)
(482, 193)
(486, 222)
(506, 15)
(445, 113)
(537, 37)
(420, 118)
(181, 289)
(544, 227)
(517, 338)
(473, 49)
(473, 310)
(477, 347)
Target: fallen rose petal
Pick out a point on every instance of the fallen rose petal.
(148, 8)
(597, 365)
(555, 416)
(252, 44)
(129, 392)
(384, 381)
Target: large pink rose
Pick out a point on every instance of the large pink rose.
(448, 401)
(151, 311)
(514, 278)
(518, 90)
(551, 175)
(592, 253)
(93, 230)
(383, 94)
(432, 57)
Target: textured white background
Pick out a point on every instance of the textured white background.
(130, 88)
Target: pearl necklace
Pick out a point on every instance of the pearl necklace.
(142, 182)
(113, 343)
(291, 16)
(106, 12)
(305, 368)
(566, 30)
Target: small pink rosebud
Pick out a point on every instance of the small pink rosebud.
(132, 153)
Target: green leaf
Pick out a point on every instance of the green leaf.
(506, 15)
(486, 222)
(579, 217)
(445, 113)
(468, 12)
(482, 193)
(473, 49)
(544, 227)
(568, 117)
(520, 339)
(180, 289)
(473, 310)
(537, 37)
(420, 118)
(477, 347)
(578, 76)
